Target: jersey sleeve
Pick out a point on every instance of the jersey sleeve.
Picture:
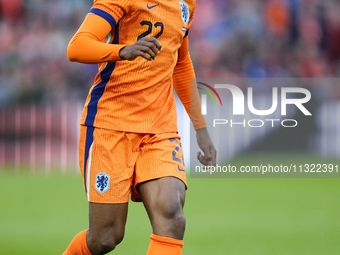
(192, 12)
(111, 10)
(88, 46)
(185, 86)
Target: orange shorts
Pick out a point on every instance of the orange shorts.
(114, 162)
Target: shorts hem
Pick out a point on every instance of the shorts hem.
(163, 176)
(110, 202)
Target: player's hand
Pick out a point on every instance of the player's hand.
(206, 145)
(146, 47)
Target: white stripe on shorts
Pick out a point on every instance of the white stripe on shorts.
(88, 174)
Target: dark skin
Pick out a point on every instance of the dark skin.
(163, 198)
(147, 47)
(106, 228)
(206, 145)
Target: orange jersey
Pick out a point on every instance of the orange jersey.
(136, 96)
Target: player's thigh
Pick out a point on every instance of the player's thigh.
(107, 221)
(163, 198)
(160, 156)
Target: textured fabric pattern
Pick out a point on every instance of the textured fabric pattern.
(125, 159)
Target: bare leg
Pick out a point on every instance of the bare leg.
(164, 200)
(107, 227)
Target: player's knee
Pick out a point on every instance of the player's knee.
(118, 238)
(179, 220)
(174, 215)
(171, 210)
(107, 241)
(173, 226)
(107, 245)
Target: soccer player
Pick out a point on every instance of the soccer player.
(129, 142)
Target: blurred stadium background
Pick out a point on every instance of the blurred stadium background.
(42, 205)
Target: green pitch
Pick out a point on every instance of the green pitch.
(40, 215)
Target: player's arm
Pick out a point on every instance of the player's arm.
(186, 89)
(87, 45)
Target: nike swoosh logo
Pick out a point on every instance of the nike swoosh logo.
(182, 170)
(150, 7)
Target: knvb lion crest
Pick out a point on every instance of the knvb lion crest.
(102, 182)
(185, 12)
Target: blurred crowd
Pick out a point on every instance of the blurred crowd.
(34, 35)
(273, 38)
(229, 38)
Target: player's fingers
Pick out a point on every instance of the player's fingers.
(207, 156)
(198, 155)
(158, 45)
(154, 41)
(213, 155)
(147, 50)
(150, 45)
(144, 55)
(202, 159)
